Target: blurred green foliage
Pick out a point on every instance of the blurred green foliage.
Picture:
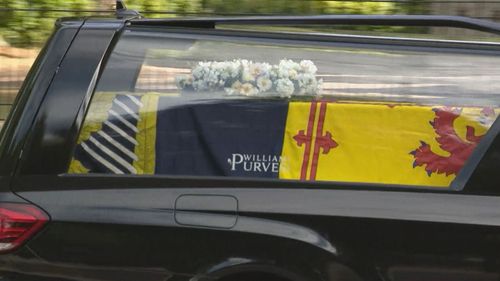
(25, 27)
(174, 6)
(263, 6)
(299, 7)
(374, 7)
(32, 22)
(360, 7)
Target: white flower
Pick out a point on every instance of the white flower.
(305, 79)
(234, 69)
(200, 85)
(236, 86)
(225, 71)
(273, 72)
(247, 75)
(308, 66)
(319, 86)
(212, 77)
(259, 69)
(285, 87)
(198, 72)
(308, 84)
(283, 69)
(234, 89)
(184, 81)
(264, 83)
(248, 89)
(288, 69)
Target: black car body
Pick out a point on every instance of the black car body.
(190, 226)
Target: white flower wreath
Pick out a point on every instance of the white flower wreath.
(244, 77)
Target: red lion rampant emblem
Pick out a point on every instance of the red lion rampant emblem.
(449, 141)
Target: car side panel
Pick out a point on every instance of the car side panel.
(306, 233)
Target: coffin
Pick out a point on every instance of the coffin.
(296, 139)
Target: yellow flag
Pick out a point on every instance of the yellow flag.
(380, 143)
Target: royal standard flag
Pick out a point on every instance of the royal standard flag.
(379, 143)
(321, 140)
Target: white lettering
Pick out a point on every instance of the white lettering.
(256, 166)
(255, 162)
(275, 167)
(266, 166)
(249, 166)
(234, 161)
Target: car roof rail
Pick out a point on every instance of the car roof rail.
(385, 20)
(122, 12)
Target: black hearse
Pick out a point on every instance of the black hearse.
(173, 149)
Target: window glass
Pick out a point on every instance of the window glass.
(206, 105)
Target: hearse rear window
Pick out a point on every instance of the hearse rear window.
(203, 105)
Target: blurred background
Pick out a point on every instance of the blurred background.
(26, 24)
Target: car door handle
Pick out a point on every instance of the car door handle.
(218, 211)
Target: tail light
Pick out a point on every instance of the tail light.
(18, 223)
